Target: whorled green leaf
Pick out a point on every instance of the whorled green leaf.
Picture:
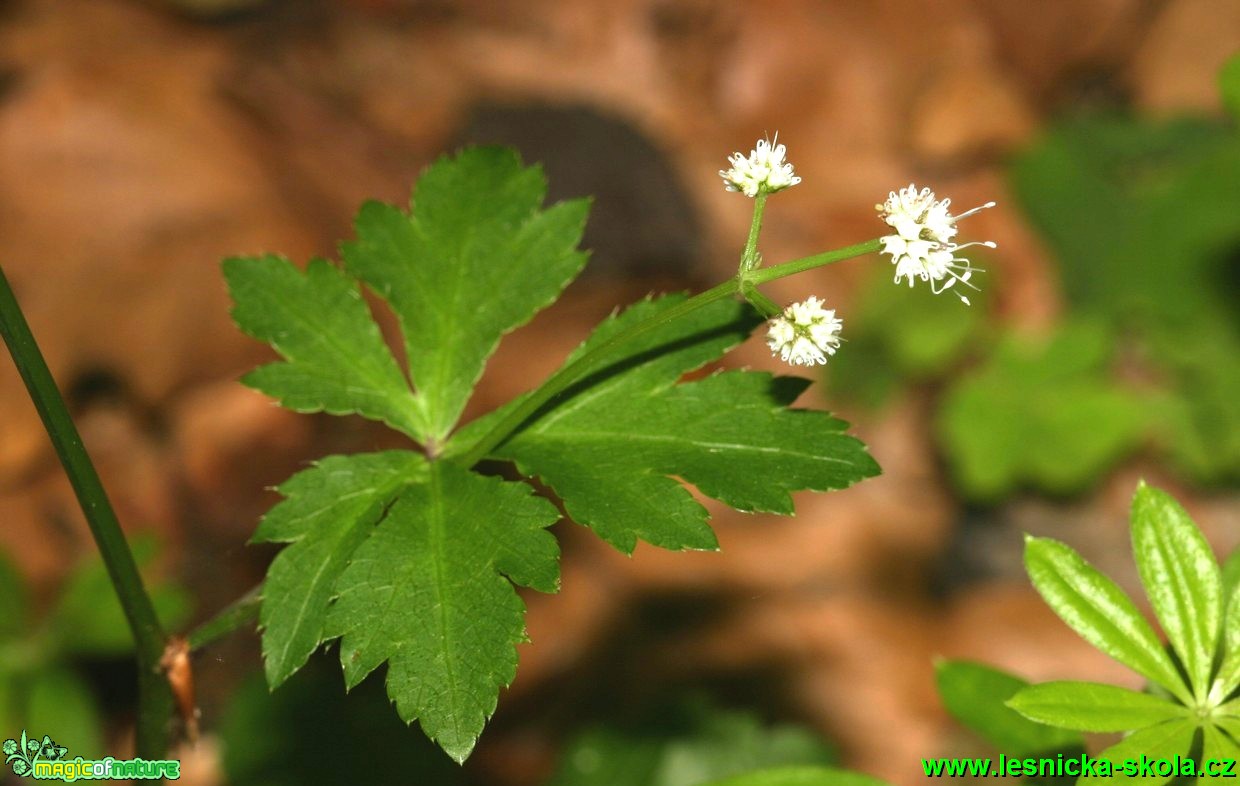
(1218, 747)
(1229, 670)
(1231, 572)
(328, 511)
(334, 357)
(1098, 610)
(1091, 706)
(1164, 741)
(801, 776)
(977, 695)
(430, 592)
(476, 257)
(614, 449)
(1181, 579)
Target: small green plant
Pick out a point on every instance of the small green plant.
(1194, 683)
(1040, 414)
(411, 557)
(688, 743)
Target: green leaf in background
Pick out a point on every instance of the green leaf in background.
(335, 358)
(706, 744)
(612, 452)
(328, 511)
(1181, 579)
(801, 776)
(1164, 741)
(311, 733)
(60, 705)
(976, 695)
(1090, 706)
(13, 649)
(901, 335)
(10, 714)
(1142, 216)
(475, 258)
(1038, 413)
(1099, 611)
(1229, 85)
(87, 618)
(1197, 422)
(430, 592)
(1136, 211)
(12, 601)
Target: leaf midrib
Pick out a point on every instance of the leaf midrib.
(435, 525)
(578, 436)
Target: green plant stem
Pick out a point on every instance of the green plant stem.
(766, 307)
(766, 275)
(743, 284)
(242, 611)
(750, 258)
(154, 695)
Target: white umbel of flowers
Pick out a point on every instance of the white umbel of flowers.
(923, 245)
(763, 170)
(805, 334)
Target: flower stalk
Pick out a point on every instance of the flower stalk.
(154, 696)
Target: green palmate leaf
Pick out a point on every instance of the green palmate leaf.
(1181, 579)
(1218, 747)
(1164, 741)
(1098, 610)
(1039, 413)
(431, 593)
(801, 776)
(976, 695)
(611, 451)
(475, 258)
(335, 358)
(1090, 706)
(328, 512)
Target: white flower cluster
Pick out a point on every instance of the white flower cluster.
(923, 245)
(764, 170)
(805, 334)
